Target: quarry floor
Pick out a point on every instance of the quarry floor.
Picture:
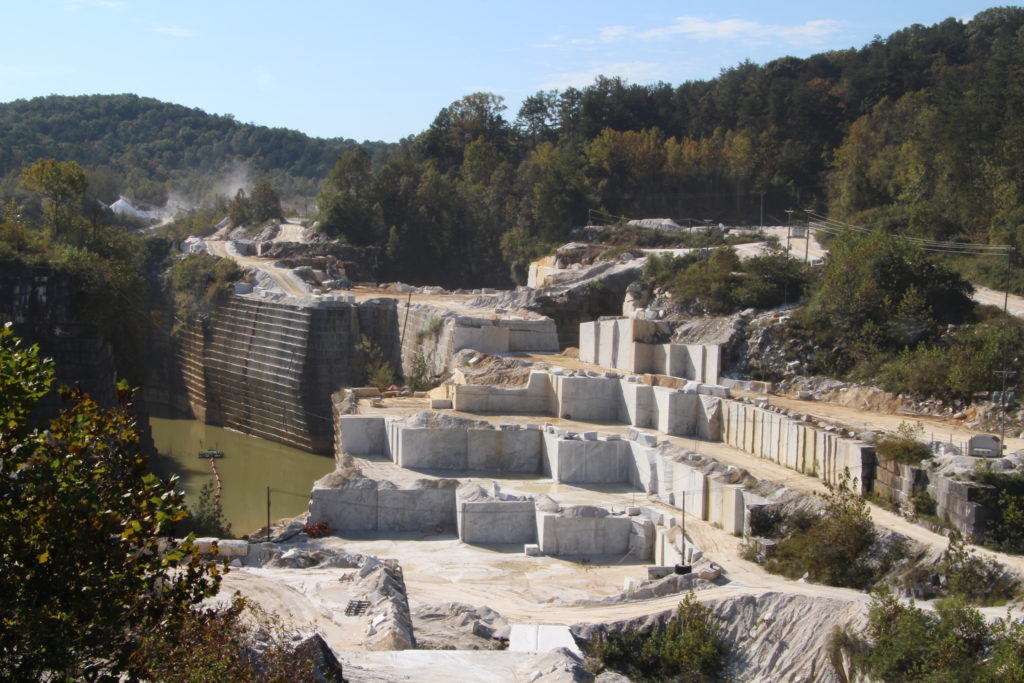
(440, 569)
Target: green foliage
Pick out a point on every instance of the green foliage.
(200, 280)
(87, 569)
(960, 364)
(718, 283)
(207, 517)
(974, 579)
(149, 148)
(220, 645)
(923, 502)
(238, 211)
(689, 647)
(905, 446)
(908, 133)
(379, 372)
(264, 203)
(419, 377)
(1004, 496)
(953, 643)
(879, 293)
(831, 548)
(63, 184)
(201, 222)
(431, 331)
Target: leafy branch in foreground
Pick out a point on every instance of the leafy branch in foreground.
(87, 568)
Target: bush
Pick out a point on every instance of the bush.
(1005, 498)
(200, 281)
(206, 518)
(379, 372)
(689, 647)
(238, 643)
(903, 451)
(831, 548)
(419, 378)
(974, 579)
(906, 643)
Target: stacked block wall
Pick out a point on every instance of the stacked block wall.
(268, 368)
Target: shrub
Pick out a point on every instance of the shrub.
(379, 372)
(832, 547)
(974, 579)
(206, 517)
(1005, 498)
(238, 643)
(689, 647)
(419, 378)
(906, 643)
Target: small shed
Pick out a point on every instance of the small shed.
(984, 446)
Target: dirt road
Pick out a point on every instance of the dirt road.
(283, 277)
(992, 297)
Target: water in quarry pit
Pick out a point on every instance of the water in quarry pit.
(248, 467)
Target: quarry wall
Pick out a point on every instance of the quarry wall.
(435, 334)
(697, 410)
(628, 344)
(41, 305)
(955, 501)
(268, 367)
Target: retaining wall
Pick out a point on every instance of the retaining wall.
(379, 506)
(955, 501)
(796, 445)
(624, 344)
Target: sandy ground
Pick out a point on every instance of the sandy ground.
(541, 589)
(992, 297)
(280, 275)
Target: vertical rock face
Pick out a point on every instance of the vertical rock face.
(41, 305)
(268, 368)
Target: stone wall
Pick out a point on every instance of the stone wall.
(380, 506)
(796, 444)
(626, 344)
(41, 305)
(955, 501)
(269, 368)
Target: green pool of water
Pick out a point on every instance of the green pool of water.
(248, 467)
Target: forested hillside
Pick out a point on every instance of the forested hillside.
(920, 132)
(145, 148)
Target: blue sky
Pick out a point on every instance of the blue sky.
(382, 70)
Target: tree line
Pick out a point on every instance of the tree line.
(920, 132)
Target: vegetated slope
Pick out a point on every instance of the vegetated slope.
(917, 132)
(771, 636)
(141, 142)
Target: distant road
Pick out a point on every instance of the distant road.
(993, 297)
(280, 276)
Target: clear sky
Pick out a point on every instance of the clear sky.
(382, 70)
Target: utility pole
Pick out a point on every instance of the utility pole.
(807, 243)
(789, 227)
(707, 241)
(1004, 373)
(268, 514)
(762, 208)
